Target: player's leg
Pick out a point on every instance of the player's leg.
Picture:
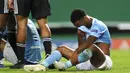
(82, 57)
(22, 18)
(94, 53)
(61, 51)
(3, 15)
(3, 20)
(46, 35)
(40, 11)
(21, 37)
(101, 59)
(33, 45)
(98, 61)
(98, 58)
(56, 55)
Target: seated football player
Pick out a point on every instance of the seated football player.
(93, 50)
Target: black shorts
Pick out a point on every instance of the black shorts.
(3, 6)
(38, 8)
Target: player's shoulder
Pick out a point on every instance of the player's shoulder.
(98, 23)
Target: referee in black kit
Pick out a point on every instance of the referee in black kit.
(39, 9)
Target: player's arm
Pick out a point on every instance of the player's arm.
(94, 34)
(91, 39)
(81, 37)
(74, 58)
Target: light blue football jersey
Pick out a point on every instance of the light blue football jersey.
(99, 30)
(33, 44)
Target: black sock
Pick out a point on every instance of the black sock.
(12, 40)
(21, 52)
(47, 45)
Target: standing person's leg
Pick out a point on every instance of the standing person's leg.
(3, 15)
(40, 12)
(21, 37)
(22, 18)
(3, 20)
(46, 35)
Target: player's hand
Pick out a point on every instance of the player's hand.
(11, 4)
(74, 58)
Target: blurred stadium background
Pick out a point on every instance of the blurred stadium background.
(114, 13)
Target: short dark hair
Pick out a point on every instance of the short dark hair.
(77, 14)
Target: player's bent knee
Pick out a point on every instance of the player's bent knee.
(60, 48)
(65, 51)
(64, 48)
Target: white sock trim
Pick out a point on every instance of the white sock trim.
(21, 45)
(46, 39)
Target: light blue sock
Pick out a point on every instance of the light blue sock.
(81, 58)
(68, 64)
(55, 56)
(84, 56)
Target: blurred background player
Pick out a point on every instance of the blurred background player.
(33, 49)
(40, 10)
(93, 46)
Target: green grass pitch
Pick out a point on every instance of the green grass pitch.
(121, 64)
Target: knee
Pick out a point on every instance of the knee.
(60, 48)
(65, 51)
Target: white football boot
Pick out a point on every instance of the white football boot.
(34, 68)
(60, 66)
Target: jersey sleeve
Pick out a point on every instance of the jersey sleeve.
(94, 31)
